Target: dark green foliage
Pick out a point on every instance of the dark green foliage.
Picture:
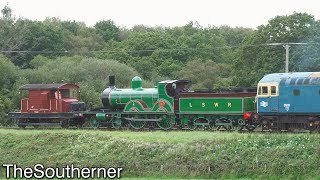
(207, 74)
(9, 79)
(77, 37)
(26, 35)
(234, 36)
(8, 74)
(107, 30)
(5, 106)
(162, 52)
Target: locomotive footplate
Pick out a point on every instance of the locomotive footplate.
(38, 124)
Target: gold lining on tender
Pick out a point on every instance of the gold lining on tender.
(315, 74)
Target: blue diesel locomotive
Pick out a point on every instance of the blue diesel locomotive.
(289, 101)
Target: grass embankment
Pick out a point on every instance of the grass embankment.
(168, 154)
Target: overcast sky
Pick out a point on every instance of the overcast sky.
(126, 13)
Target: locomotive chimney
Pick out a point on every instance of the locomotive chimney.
(112, 81)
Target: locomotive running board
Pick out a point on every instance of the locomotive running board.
(134, 119)
(39, 124)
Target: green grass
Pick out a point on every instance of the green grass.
(172, 154)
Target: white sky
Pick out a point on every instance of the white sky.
(126, 13)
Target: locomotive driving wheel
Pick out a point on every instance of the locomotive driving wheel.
(134, 123)
(191, 125)
(116, 123)
(166, 122)
(94, 123)
(137, 124)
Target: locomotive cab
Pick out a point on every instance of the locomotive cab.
(267, 97)
(175, 87)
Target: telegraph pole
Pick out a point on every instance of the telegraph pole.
(287, 46)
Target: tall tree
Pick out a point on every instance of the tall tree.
(234, 36)
(253, 59)
(108, 30)
(7, 12)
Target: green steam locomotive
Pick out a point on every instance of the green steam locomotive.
(171, 104)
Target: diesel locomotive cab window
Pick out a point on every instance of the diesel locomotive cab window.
(263, 90)
(273, 90)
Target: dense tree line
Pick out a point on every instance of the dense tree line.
(212, 57)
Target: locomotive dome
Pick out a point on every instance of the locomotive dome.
(136, 83)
